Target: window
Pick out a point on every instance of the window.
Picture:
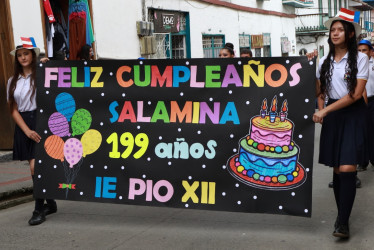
(244, 42)
(178, 47)
(212, 44)
(162, 46)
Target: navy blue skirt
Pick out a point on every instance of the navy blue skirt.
(23, 147)
(345, 136)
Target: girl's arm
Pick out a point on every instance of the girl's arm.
(342, 102)
(21, 123)
(365, 95)
(320, 96)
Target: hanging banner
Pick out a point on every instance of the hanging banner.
(218, 134)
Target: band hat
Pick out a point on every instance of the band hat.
(366, 42)
(26, 43)
(348, 16)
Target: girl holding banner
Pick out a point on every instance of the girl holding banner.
(21, 95)
(341, 77)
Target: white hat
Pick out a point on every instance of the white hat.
(348, 16)
(26, 43)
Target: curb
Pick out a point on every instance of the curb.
(6, 157)
(15, 197)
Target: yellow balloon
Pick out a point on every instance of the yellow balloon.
(91, 141)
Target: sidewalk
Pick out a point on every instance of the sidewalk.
(15, 181)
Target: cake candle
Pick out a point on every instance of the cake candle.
(273, 109)
(264, 108)
(283, 113)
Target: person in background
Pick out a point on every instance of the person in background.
(365, 47)
(21, 96)
(227, 51)
(86, 53)
(344, 142)
(246, 53)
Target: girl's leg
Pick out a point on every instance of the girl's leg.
(38, 216)
(346, 197)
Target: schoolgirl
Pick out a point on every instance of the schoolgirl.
(341, 77)
(21, 96)
(227, 51)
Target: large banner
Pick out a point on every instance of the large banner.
(219, 134)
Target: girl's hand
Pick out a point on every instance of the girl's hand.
(44, 59)
(318, 116)
(311, 55)
(33, 136)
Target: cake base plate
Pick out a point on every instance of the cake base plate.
(297, 181)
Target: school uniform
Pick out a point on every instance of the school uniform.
(370, 95)
(344, 135)
(24, 147)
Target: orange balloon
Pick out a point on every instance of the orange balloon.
(54, 146)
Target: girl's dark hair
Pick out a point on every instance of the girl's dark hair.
(16, 72)
(85, 52)
(230, 48)
(351, 66)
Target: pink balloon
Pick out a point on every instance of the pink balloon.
(58, 124)
(73, 151)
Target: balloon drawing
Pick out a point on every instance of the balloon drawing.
(54, 146)
(65, 104)
(58, 124)
(91, 141)
(81, 121)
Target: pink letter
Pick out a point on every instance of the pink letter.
(193, 82)
(169, 193)
(48, 77)
(133, 191)
(295, 76)
(140, 113)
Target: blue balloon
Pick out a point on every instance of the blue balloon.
(65, 104)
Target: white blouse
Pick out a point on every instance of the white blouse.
(338, 84)
(23, 93)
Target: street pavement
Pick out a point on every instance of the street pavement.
(87, 225)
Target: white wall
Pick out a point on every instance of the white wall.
(26, 21)
(213, 19)
(114, 24)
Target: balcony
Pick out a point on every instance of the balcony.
(299, 3)
(369, 2)
(311, 24)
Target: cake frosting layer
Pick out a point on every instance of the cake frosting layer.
(272, 134)
(267, 163)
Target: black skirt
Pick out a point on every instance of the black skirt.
(345, 136)
(23, 147)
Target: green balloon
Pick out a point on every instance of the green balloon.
(81, 121)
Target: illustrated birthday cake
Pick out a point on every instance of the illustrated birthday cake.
(268, 158)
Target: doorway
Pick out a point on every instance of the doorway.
(6, 69)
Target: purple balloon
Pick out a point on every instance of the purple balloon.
(73, 151)
(58, 124)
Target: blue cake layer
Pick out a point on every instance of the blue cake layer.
(266, 163)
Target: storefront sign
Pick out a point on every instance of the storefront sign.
(218, 134)
(167, 21)
(257, 41)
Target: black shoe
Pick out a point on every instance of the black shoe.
(337, 223)
(331, 184)
(361, 168)
(37, 218)
(358, 182)
(342, 231)
(50, 208)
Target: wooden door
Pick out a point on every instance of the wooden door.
(6, 69)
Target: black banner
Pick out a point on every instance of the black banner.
(220, 134)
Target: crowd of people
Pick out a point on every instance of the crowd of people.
(345, 97)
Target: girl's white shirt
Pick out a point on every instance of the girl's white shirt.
(338, 83)
(23, 93)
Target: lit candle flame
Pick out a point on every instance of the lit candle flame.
(264, 104)
(274, 104)
(284, 108)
